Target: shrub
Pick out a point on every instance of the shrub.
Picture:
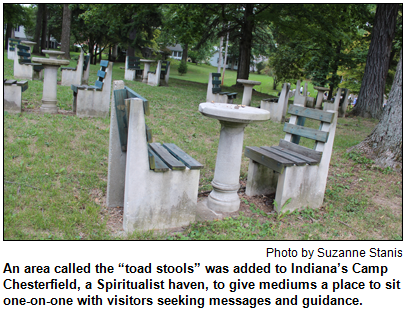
(182, 69)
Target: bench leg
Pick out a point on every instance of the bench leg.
(74, 102)
(298, 188)
(260, 180)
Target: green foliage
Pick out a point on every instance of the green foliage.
(182, 69)
(260, 67)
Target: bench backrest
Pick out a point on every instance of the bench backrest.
(293, 130)
(164, 67)
(12, 43)
(24, 54)
(216, 82)
(133, 62)
(123, 113)
(101, 74)
(86, 62)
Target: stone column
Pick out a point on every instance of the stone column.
(49, 91)
(224, 197)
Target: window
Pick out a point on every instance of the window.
(179, 54)
(17, 28)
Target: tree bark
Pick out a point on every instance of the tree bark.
(38, 28)
(9, 31)
(185, 51)
(44, 30)
(65, 36)
(220, 55)
(385, 143)
(245, 44)
(370, 98)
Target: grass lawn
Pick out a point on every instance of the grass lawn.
(55, 170)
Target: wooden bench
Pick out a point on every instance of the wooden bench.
(214, 93)
(12, 47)
(296, 173)
(13, 95)
(94, 100)
(23, 67)
(132, 68)
(158, 183)
(76, 75)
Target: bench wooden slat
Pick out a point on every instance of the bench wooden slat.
(216, 75)
(307, 160)
(104, 63)
(23, 47)
(305, 132)
(101, 74)
(155, 163)
(297, 160)
(307, 152)
(148, 133)
(23, 54)
(119, 97)
(169, 160)
(183, 156)
(216, 82)
(216, 90)
(314, 114)
(23, 84)
(68, 68)
(10, 82)
(98, 85)
(267, 158)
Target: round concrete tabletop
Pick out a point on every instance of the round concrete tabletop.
(50, 61)
(29, 42)
(248, 82)
(234, 113)
(320, 88)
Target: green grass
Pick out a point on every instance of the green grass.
(55, 170)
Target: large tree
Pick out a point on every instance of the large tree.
(385, 143)
(15, 15)
(41, 7)
(370, 98)
(65, 38)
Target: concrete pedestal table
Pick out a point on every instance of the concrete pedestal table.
(51, 66)
(147, 64)
(320, 92)
(30, 44)
(247, 95)
(233, 120)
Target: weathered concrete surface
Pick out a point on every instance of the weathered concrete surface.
(70, 76)
(129, 74)
(278, 110)
(154, 79)
(117, 158)
(95, 103)
(260, 179)
(12, 98)
(247, 94)
(154, 200)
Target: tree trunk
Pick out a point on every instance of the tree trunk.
(132, 36)
(65, 37)
(9, 31)
(385, 143)
(38, 28)
(245, 44)
(184, 53)
(220, 55)
(44, 30)
(370, 98)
